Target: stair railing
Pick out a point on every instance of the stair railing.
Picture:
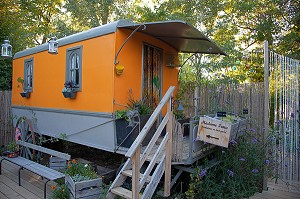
(162, 156)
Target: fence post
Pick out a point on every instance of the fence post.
(167, 185)
(266, 102)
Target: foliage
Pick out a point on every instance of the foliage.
(119, 114)
(240, 173)
(5, 74)
(60, 192)
(88, 14)
(12, 146)
(139, 105)
(133, 105)
(79, 171)
(68, 86)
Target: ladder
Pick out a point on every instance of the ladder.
(143, 184)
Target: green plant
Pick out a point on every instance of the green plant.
(79, 171)
(140, 105)
(60, 192)
(133, 104)
(12, 147)
(20, 80)
(119, 114)
(240, 173)
(68, 86)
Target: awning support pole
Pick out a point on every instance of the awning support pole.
(116, 57)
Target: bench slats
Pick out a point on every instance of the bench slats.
(45, 150)
(44, 171)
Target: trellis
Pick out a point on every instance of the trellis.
(284, 89)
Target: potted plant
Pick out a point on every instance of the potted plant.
(130, 121)
(12, 150)
(82, 180)
(68, 90)
(24, 93)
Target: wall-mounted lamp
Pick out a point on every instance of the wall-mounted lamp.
(119, 69)
(6, 49)
(53, 46)
(179, 105)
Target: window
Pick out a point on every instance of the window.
(74, 66)
(28, 75)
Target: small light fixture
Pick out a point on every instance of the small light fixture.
(119, 69)
(6, 49)
(180, 107)
(53, 46)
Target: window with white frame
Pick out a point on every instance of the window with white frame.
(28, 75)
(74, 66)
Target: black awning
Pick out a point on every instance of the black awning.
(180, 35)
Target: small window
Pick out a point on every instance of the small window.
(28, 75)
(74, 66)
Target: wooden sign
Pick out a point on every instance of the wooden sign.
(214, 131)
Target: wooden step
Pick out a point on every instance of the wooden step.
(120, 191)
(129, 174)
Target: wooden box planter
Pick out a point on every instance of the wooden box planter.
(57, 163)
(69, 94)
(88, 189)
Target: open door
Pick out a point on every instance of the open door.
(152, 75)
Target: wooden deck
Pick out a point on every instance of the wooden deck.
(280, 190)
(32, 185)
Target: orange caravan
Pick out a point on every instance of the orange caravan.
(76, 89)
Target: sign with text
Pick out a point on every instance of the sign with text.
(214, 131)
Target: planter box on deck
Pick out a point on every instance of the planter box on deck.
(88, 189)
(57, 163)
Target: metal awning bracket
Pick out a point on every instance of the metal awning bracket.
(116, 57)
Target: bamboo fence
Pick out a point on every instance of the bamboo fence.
(231, 98)
(6, 125)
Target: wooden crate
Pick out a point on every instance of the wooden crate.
(57, 163)
(88, 189)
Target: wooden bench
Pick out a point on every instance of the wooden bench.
(41, 170)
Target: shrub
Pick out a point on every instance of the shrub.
(239, 175)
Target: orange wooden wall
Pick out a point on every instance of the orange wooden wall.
(100, 84)
(131, 58)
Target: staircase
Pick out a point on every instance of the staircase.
(144, 184)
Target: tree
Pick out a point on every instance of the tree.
(88, 14)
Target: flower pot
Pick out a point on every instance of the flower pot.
(12, 154)
(84, 189)
(69, 94)
(127, 134)
(25, 94)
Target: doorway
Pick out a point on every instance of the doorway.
(152, 75)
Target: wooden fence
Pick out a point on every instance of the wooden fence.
(232, 98)
(6, 126)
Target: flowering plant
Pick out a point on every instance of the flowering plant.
(244, 159)
(79, 171)
(68, 86)
(60, 192)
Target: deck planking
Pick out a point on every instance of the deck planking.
(32, 185)
(279, 190)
